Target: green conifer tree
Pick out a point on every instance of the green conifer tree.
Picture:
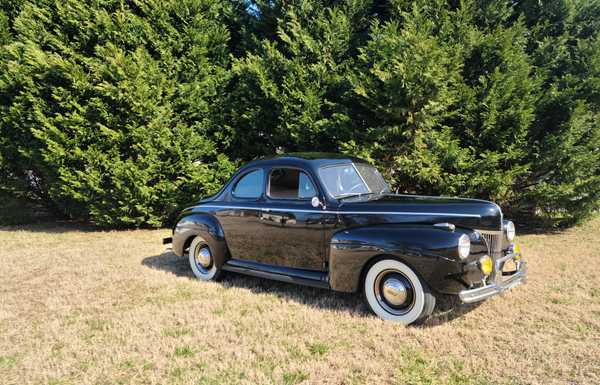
(107, 108)
(120, 111)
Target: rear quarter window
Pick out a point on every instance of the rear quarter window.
(250, 185)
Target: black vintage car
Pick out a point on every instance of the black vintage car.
(330, 221)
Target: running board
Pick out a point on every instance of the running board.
(278, 273)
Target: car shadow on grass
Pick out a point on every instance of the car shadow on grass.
(447, 310)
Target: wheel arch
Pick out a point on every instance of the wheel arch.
(380, 257)
(188, 242)
(206, 226)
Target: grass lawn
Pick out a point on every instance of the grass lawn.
(80, 306)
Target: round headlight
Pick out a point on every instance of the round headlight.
(509, 227)
(464, 246)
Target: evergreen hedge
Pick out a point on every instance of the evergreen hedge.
(108, 107)
(118, 112)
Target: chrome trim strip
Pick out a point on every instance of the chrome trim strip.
(491, 232)
(446, 225)
(338, 212)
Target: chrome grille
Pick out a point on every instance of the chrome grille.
(493, 240)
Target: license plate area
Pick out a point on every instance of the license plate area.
(510, 267)
(504, 267)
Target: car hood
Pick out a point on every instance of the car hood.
(396, 208)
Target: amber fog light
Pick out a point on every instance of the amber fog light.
(486, 265)
(517, 251)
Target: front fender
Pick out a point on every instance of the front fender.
(190, 225)
(430, 251)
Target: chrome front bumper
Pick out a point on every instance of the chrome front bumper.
(503, 282)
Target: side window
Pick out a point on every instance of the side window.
(289, 183)
(250, 186)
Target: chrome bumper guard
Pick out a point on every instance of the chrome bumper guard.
(503, 282)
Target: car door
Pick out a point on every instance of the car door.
(292, 231)
(239, 215)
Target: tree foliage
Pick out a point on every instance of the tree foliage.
(107, 108)
(121, 111)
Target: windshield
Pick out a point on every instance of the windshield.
(352, 179)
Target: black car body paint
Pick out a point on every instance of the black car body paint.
(331, 245)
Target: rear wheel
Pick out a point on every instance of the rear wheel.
(396, 293)
(202, 261)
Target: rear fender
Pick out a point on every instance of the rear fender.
(430, 251)
(208, 228)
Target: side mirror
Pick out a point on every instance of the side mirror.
(315, 202)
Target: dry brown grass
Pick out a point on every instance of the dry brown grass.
(112, 307)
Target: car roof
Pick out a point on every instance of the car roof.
(311, 159)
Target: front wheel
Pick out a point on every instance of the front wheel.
(396, 293)
(202, 261)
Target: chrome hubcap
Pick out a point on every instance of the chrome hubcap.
(395, 292)
(203, 257)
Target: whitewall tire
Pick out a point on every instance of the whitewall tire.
(202, 261)
(396, 293)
